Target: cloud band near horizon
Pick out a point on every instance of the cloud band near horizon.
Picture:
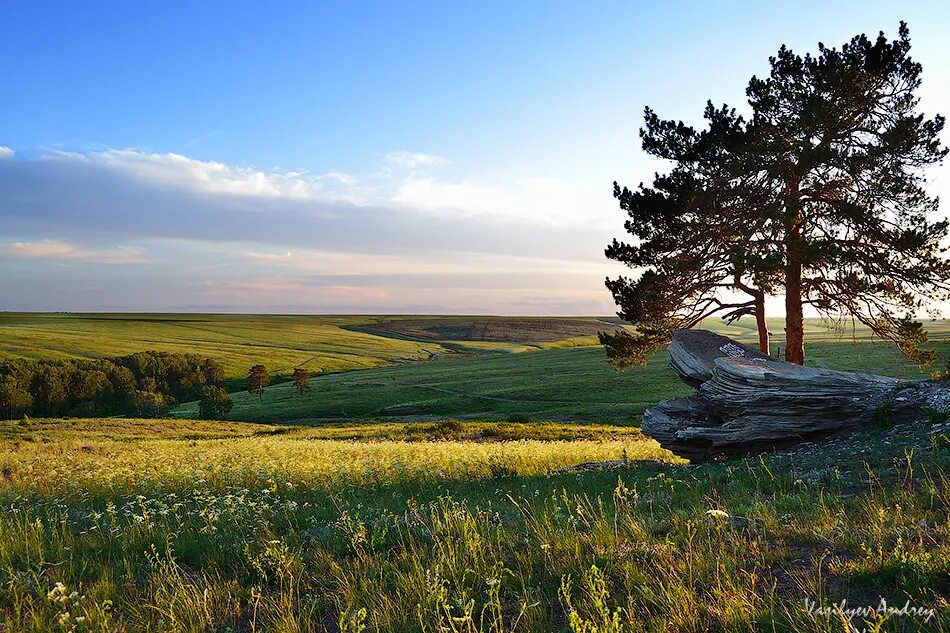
(141, 230)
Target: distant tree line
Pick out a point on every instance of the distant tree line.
(144, 384)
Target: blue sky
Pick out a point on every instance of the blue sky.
(362, 157)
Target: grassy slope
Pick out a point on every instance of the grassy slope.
(470, 378)
(238, 341)
(181, 526)
(319, 343)
(575, 383)
(492, 329)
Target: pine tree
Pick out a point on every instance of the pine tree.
(818, 196)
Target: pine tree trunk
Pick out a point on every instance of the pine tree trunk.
(794, 321)
(761, 324)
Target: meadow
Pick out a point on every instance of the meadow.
(317, 343)
(237, 341)
(330, 343)
(144, 525)
(495, 485)
(573, 383)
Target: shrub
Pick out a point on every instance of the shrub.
(148, 404)
(215, 403)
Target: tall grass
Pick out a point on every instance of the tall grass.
(290, 532)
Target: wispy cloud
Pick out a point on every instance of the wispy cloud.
(430, 264)
(414, 159)
(137, 194)
(269, 257)
(407, 181)
(6, 152)
(206, 176)
(198, 139)
(404, 236)
(63, 251)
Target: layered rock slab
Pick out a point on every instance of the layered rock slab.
(748, 401)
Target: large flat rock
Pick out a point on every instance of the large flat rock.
(693, 354)
(747, 401)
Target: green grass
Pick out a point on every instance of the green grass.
(196, 526)
(401, 518)
(566, 384)
(237, 341)
(325, 343)
(319, 343)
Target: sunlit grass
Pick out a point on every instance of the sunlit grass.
(319, 343)
(180, 525)
(103, 463)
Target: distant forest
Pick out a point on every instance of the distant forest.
(144, 384)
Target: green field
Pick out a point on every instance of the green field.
(473, 366)
(238, 342)
(325, 343)
(127, 525)
(452, 495)
(319, 343)
(565, 384)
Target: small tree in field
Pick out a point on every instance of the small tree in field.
(818, 196)
(301, 380)
(215, 403)
(257, 379)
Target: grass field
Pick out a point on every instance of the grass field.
(525, 330)
(378, 510)
(323, 343)
(319, 343)
(474, 369)
(565, 384)
(126, 525)
(238, 342)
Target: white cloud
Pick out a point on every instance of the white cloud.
(269, 257)
(395, 295)
(6, 152)
(64, 251)
(403, 183)
(546, 201)
(344, 179)
(206, 176)
(414, 160)
(403, 240)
